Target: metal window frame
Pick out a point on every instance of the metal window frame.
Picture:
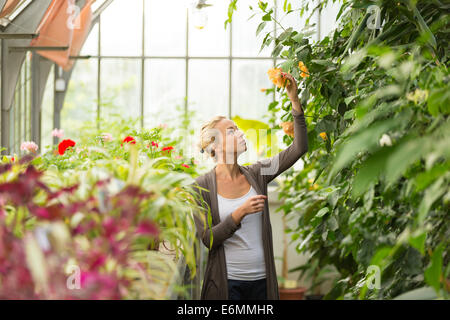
(144, 58)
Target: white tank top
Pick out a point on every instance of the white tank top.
(244, 252)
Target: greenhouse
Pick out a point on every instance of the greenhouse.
(224, 150)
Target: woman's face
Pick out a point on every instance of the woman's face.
(231, 140)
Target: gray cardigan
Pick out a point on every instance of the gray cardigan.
(215, 285)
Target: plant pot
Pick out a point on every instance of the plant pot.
(292, 294)
(314, 296)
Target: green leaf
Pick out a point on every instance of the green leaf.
(266, 41)
(272, 105)
(260, 27)
(276, 51)
(362, 141)
(322, 212)
(287, 65)
(369, 172)
(404, 154)
(417, 241)
(333, 223)
(434, 271)
(424, 29)
(434, 192)
(298, 37)
(439, 101)
(267, 17)
(285, 34)
(321, 62)
(424, 179)
(348, 100)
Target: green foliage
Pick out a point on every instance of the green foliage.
(376, 191)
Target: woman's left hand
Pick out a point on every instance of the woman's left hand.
(291, 88)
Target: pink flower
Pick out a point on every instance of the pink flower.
(29, 146)
(178, 157)
(162, 125)
(147, 227)
(106, 137)
(58, 133)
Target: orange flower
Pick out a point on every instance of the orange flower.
(263, 90)
(304, 70)
(323, 135)
(288, 128)
(275, 75)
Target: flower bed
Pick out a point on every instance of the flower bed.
(77, 221)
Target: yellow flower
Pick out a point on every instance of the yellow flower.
(323, 135)
(304, 70)
(288, 128)
(418, 96)
(276, 78)
(314, 186)
(263, 90)
(310, 180)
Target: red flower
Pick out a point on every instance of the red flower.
(154, 144)
(12, 159)
(63, 145)
(129, 139)
(167, 149)
(185, 165)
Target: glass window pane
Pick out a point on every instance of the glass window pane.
(293, 19)
(47, 114)
(248, 78)
(90, 46)
(165, 84)
(328, 18)
(165, 27)
(121, 28)
(213, 39)
(208, 88)
(80, 104)
(120, 93)
(245, 41)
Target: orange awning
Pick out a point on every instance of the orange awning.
(80, 34)
(9, 7)
(54, 31)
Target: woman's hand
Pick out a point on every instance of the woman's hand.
(252, 205)
(291, 88)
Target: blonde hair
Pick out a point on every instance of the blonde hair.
(207, 137)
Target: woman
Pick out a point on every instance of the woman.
(240, 260)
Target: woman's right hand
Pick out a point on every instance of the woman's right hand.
(254, 204)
